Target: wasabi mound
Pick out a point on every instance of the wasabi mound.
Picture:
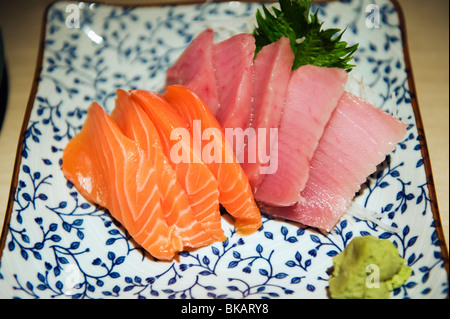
(368, 268)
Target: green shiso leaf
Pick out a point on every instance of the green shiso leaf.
(309, 42)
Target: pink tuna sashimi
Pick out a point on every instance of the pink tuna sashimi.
(356, 139)
(272, 70)
(194, 69)
(233, 62)
(312, 96)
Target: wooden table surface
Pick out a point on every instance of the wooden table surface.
(427, 25)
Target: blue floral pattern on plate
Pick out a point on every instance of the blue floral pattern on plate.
(59, 245)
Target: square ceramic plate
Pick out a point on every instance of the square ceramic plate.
(57, 245)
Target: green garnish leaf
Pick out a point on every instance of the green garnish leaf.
(310, 44)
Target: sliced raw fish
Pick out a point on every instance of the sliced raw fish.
(356, 139)
(136, 124)
(193, 175)
(194, 69)
(235, 191)
(272, 71)
(106, 168)
(312, 96)
(233, 62)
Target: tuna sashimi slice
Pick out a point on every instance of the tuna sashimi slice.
(106, 167)
(235, 191)
(194, 69)
(356, 139)
(193, 175)
(312, 96)
(233, 62)
(272, 70)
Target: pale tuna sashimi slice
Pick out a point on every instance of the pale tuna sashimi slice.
(357, 138)
(194, 69)
(233, 62)
(136, 125)
(272, 69)
(106, 168)
(312, 96)
(193, 175)
(235, 192)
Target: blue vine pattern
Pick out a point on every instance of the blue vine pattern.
(73, 249)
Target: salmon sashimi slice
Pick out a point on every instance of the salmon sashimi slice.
(311, 98)
(235, 191)
(233, 63)
(356, 139)
(272, 71)
(194, 68)
(135, 124)
(107, 168)
(193, 175)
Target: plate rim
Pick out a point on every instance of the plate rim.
(412, 89)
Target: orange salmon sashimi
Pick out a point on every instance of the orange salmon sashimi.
(107, 168)
(193, 175)
(235, 191)
(136, 125)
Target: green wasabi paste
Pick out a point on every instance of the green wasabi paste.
(368, 268)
